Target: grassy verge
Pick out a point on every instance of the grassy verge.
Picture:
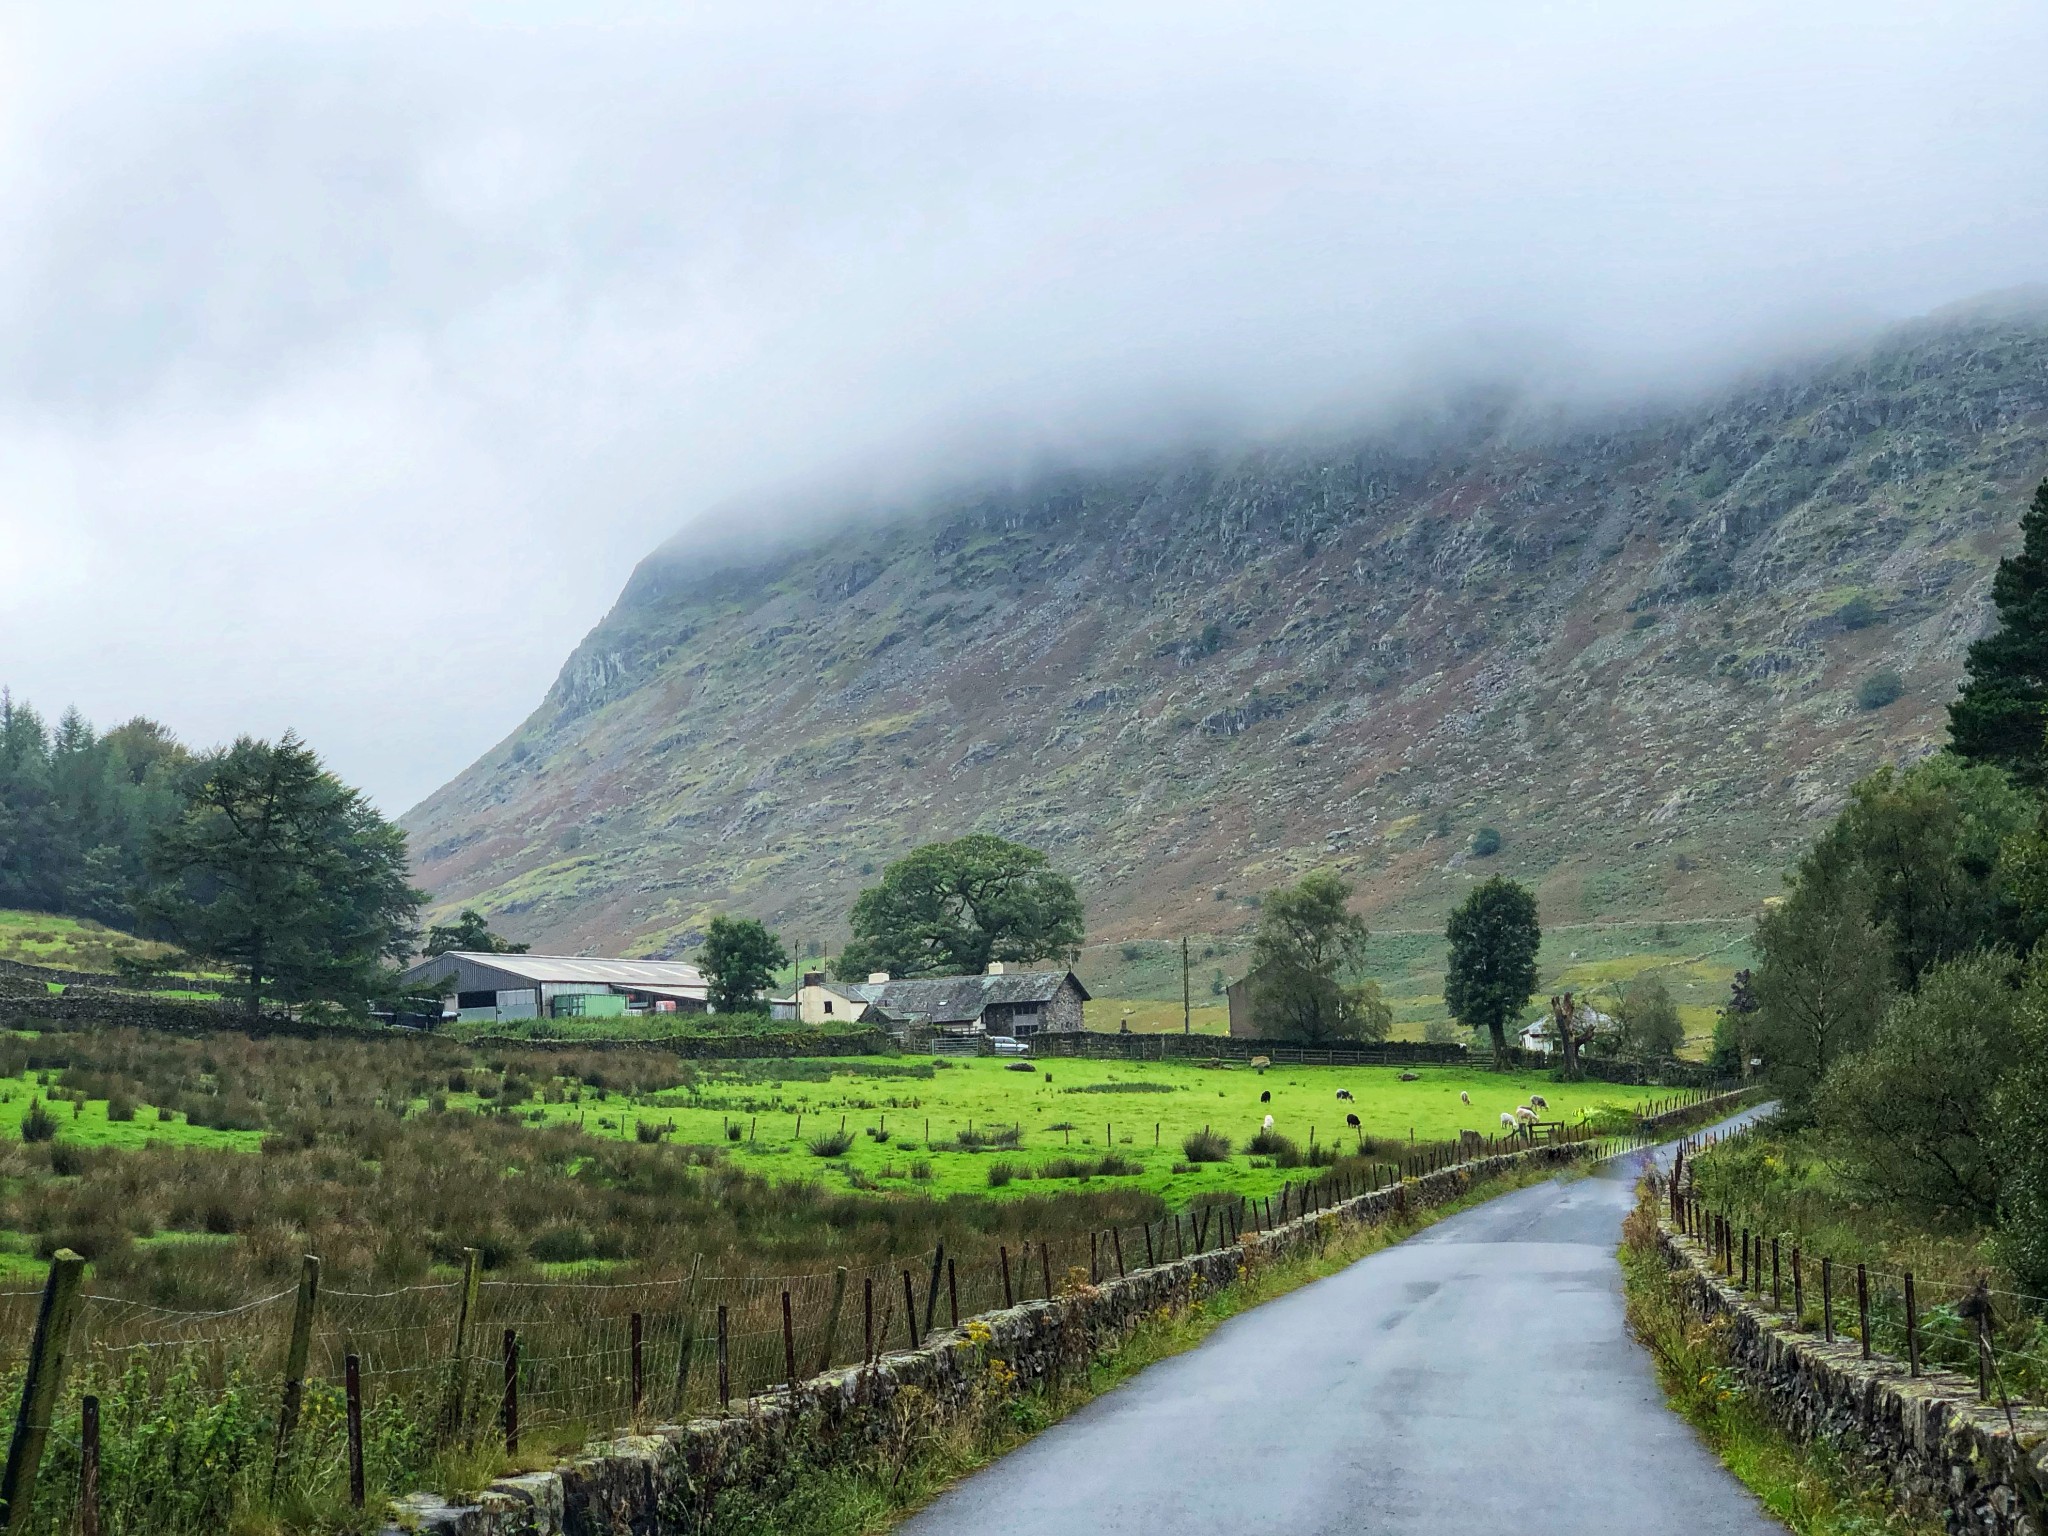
(1813, 1488)
(913, 1463)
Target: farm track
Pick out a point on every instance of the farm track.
(1476, 1377)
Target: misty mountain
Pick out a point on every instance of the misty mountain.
(1651, 654)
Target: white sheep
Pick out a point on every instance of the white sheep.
(1269, 1122)
(1464, 1097)
(1525, 1114)
(1508, 1120)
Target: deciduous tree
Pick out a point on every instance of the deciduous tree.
(1494, 936)
(951, 908)
(1305, 960)
(471, 934)
(740, 958)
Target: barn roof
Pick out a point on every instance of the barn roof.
(653, 975)
(960, 999)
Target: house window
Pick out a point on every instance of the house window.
(828, 1007)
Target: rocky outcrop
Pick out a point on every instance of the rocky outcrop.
(670, 1480)
(1945, 1454)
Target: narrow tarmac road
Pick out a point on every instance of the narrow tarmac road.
(1476, 1378)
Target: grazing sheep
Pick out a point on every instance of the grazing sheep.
(1525, 1114)
(1352, 1121)
(1266, 1097)
(1509, 1121)
(1464, 1097)
(1268, 1124)
(1344, 1095)
(1539, 1101)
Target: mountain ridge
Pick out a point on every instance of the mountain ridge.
(1635, 649)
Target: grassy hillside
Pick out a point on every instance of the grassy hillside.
(71, 943)
(1636, 650)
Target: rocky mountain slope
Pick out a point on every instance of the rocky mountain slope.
(1639, 652)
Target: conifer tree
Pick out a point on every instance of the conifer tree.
(2002, 712)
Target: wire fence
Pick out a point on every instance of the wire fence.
(1955, 1321)
(185, 1416)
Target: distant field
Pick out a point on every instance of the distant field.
(925, 1106)
(70, 943)
(1696, 960)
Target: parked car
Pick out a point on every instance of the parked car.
(1004, 1046)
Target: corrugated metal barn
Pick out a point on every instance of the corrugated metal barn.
(494, 988)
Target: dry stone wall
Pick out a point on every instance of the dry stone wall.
(668, 1481)
(1945, 1454)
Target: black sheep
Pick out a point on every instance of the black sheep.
(1352, 1121)
(1266, 1097)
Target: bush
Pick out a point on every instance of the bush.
(732, 1130)
(920, 1169)
(1880, 689)
(1281, 1149)
(1857, 613)
(971, 1140)
(563, 1244)
(1000, 1174)
(120, 1107)
(831, 1144)
(1205, 1146)
(1908, 1113)
(648, 1132)
(1485, 843)
(1020, 1066)
(38, 1124)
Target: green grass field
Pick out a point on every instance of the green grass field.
(86, 1124)
(1139, 1111)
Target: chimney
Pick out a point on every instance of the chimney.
(814, 978)
(876, 978)
(996, 967)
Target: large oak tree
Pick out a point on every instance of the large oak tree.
(948, 909)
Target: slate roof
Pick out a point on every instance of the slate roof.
(960, 999)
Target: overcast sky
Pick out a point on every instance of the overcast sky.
(348, 362)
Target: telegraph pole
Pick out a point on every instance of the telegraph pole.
(1186, 995)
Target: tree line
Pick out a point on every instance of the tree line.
(1900, 1006)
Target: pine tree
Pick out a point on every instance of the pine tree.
(2002, 712)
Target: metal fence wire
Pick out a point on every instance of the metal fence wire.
(479, 1359)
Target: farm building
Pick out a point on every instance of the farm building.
(1239, 993)
(494, 988)
(1005, 1003)
(820, 1001)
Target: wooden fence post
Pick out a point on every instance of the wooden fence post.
(931, 1295)
(952, 1293)
(789, 1344)
(1003, 1252)
(832, 1320)
(89, 1466)
(724, 1361)
(1045, 1266)
(867, 1331)
(1116, 1237)
(352, 1396)
(909, 1309)
(454, 1404)
(1827, 1299)
(636, 1370)
(1863, 1306)
(295, 1364)
(40, 1385)
(686, 1347)
(1912, 1328)
(508, 1415)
